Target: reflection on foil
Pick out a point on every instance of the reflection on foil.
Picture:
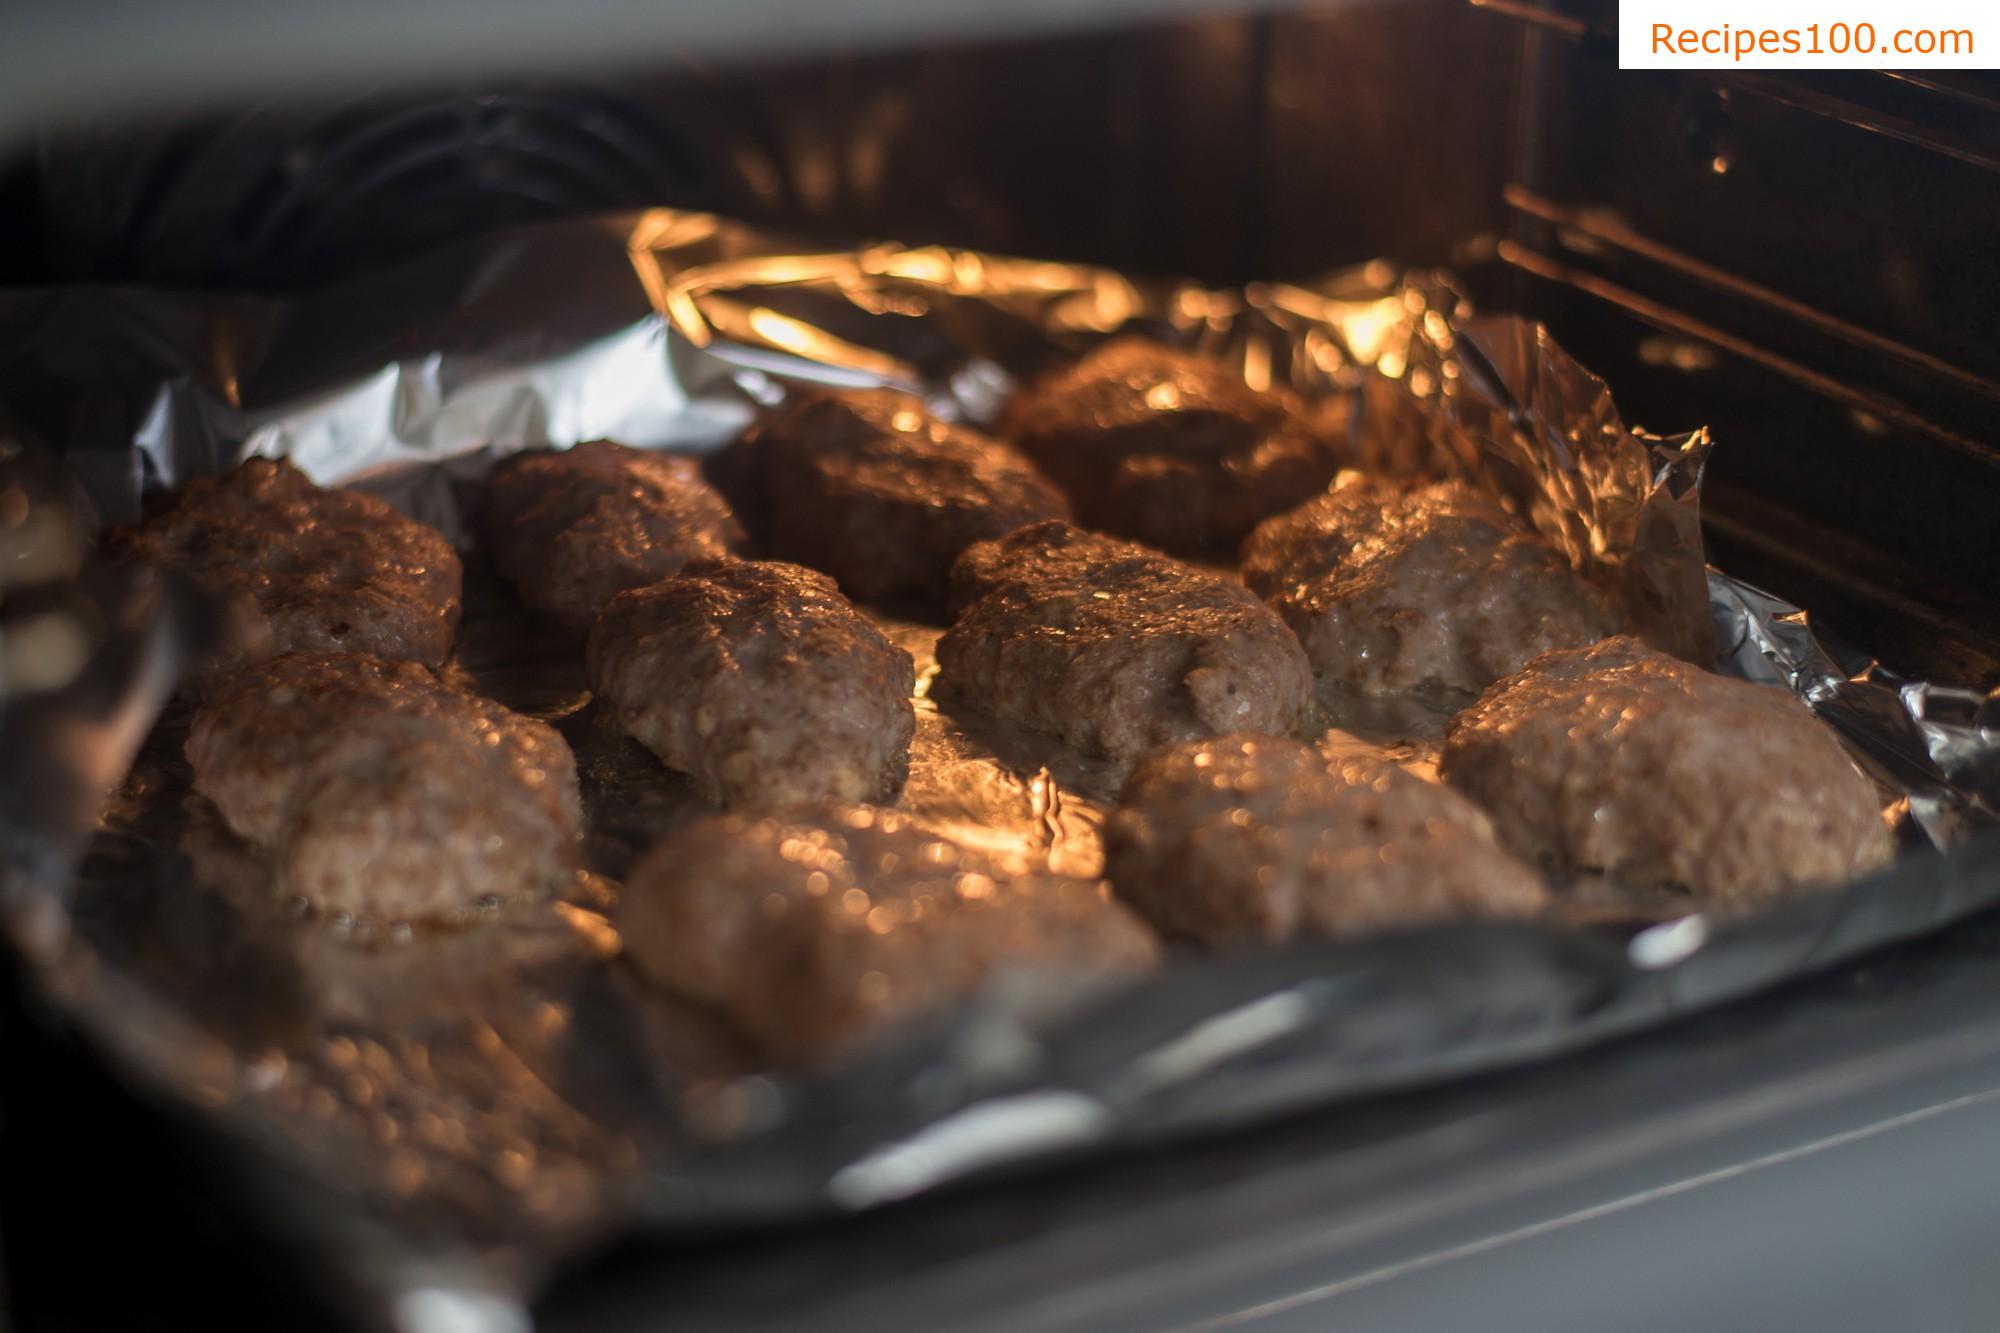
(982, 1135)
(1669, 942)
(463, 1111)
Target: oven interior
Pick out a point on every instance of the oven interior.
(1805, 263)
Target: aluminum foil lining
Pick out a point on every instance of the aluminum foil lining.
(459, 1115)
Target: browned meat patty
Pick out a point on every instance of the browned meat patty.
(1113, 647)
(383, 794)
(871, 488)
(1170, 448)
(1261, 838)
(821, 929)
(572, 529)
(760, 682)
(1622, 760)
(305, 569)
(1395, 589)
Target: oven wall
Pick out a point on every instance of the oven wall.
(1221, 148)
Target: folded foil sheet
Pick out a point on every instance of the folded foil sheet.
(455, 1114)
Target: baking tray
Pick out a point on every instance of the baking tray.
(552, 1106)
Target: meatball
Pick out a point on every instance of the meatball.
(821, 929)
(875, 491)
(306, 569)
(1622, 760)
(1168, 447)
(1433, 587)
(383, 794)
(760, 682)
(573, 529)
(1262, 838)
(1114, 648)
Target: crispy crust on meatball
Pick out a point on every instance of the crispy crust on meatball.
(383, 794)
(1113, 647)
(822, 929)
(1395, 589)
(306, 569)
(1623, 760)
(1246, 838)
(1170, 448)
(760, 682)
(573, 528)
(871, 488)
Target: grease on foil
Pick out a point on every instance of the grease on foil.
(481, 1104)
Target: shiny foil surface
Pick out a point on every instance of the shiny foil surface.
(453, 1113)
